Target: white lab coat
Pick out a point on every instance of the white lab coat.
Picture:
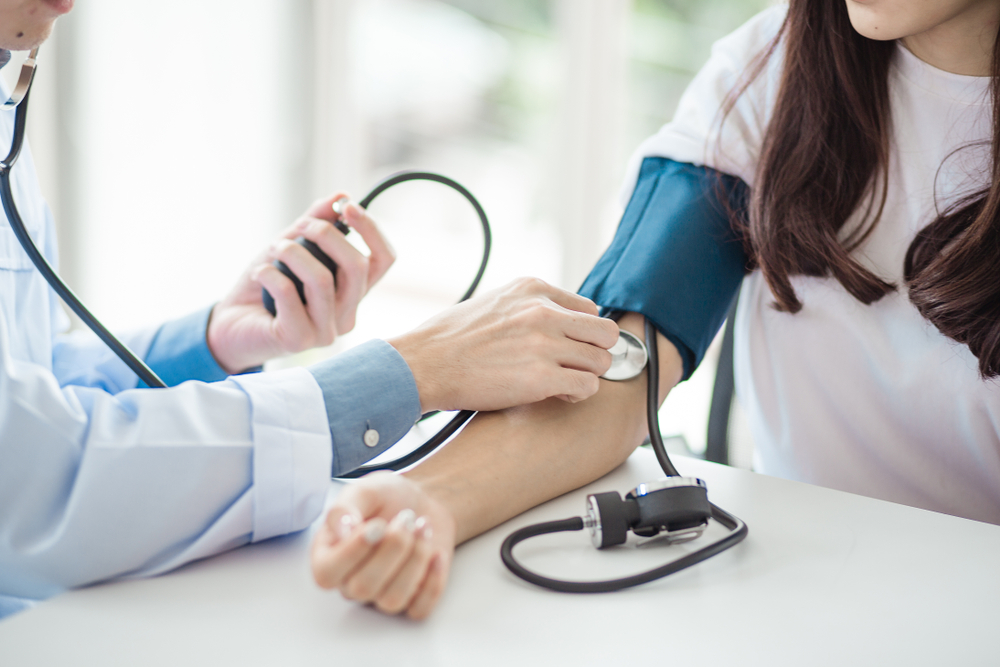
(98, 479)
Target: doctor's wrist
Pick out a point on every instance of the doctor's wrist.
(412, 348)
(225, 354)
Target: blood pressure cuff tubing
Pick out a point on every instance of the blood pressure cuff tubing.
(675, 258)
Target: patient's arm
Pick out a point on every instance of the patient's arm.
(502, 464)
(509, 461)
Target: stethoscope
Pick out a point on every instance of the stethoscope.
(674, 510)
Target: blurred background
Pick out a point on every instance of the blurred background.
(175, 140)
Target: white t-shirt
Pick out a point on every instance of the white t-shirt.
(867, 399)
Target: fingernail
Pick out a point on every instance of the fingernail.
(375, 530)
(406, 520)
(353, 211)
(346, 526)
(423, 528)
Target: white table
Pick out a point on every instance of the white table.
(825, 578)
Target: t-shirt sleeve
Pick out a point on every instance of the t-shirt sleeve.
(701, 133)
(675, 257)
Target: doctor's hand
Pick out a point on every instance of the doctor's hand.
(385, 542)
(519, 344)
(243, 334)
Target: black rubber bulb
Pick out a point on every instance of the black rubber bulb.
(315, 251)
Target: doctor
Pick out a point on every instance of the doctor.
(100, 479)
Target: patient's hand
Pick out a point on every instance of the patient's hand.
(386, 542)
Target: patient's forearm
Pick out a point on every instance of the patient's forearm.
(506, 462)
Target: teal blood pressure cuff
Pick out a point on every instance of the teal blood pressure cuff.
(676, 257)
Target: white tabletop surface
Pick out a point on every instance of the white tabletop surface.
(824, 578)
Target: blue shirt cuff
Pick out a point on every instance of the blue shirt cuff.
(371, 402)
(179, 351)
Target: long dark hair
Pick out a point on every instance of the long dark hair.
(826, 155)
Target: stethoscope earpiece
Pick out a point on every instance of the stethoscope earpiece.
(24, 79)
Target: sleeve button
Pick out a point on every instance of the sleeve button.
(371, 438)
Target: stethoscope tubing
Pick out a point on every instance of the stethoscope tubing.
(737, 529)
(404, 176)
(737, 532)
(463, 416)
(138, 366)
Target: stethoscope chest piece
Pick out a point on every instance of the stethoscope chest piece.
(628, 357)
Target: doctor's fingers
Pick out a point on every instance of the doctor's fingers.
(292, 327)
(352, 271)
(323, 208)
(529, 286)
(569, 384)
(320, 294)
(382, 253)
(574, 355)
(534, 312)
(599, 332)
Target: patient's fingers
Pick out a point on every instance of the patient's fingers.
(397, 595)
(431, 588)
(335, 556)
(371, 576)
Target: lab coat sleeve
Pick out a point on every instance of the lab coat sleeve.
(177, 351)
(95, 485)
(99, 479)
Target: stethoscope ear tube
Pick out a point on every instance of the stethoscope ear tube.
(404, 176)
(737, 529)
(463, 416)
(380, 187)
(139, 367)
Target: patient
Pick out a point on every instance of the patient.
(867, 333)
